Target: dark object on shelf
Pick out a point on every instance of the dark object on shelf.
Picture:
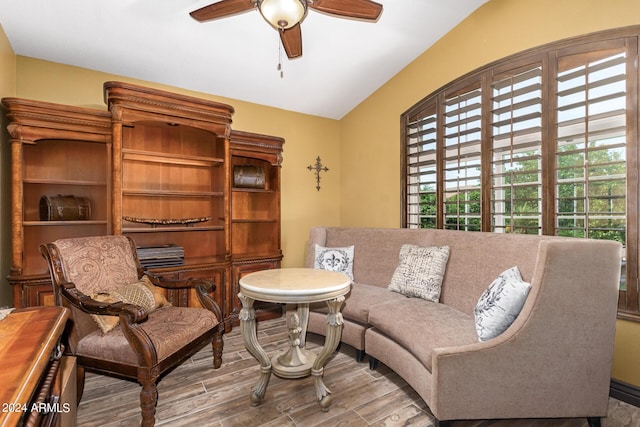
(155, 222)
(159, 263)
(161, 256)
(64, 208)
(161, 251)
(248, 176)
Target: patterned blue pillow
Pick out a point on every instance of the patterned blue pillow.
(500, 304)
(334, 259)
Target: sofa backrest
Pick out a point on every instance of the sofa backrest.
(475, 258)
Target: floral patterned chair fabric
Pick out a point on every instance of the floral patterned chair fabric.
(143, 339)
(95, 264)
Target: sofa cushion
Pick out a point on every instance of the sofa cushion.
(359, 300)
(334, 259)
(420, 271)
(421, 326)
(500, 304)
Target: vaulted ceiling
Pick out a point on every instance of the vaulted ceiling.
(343, 62)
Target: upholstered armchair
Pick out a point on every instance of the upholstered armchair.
(121, 323)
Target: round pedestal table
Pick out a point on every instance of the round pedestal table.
(297, 288)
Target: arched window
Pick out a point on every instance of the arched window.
(541, 142)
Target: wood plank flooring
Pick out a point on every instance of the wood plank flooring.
(195, 394)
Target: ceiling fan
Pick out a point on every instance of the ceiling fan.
(287, 15)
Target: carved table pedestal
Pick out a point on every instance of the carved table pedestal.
(296, 287)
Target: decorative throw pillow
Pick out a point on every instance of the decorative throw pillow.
(335, 259)
(142, 293)
(500, 304)
(105, 322)
(159, 297)
(420, 271)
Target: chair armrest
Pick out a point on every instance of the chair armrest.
(203, 288)
(171, 283)
(132, 313)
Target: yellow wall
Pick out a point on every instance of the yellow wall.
(7, 67)
(370, 152)
(7, 88)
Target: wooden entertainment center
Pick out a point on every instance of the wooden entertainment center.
(163, 168)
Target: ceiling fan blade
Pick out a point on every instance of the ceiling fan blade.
(222, 8)
(360, 9)
(292, 41)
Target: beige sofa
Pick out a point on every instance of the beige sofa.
(554, 361)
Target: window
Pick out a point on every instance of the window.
(542, 142)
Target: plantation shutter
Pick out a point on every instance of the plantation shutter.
(462, 159)
(591, 154)
(421, 169)
(516, 151)
(591, 140)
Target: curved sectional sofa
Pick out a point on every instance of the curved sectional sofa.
(553, 361)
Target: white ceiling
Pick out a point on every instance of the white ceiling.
(343, 62)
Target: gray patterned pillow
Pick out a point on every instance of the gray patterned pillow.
(500, 304)
(334, 259)
(420, 271)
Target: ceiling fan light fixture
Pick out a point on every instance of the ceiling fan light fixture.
(282, 14)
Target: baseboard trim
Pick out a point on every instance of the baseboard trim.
(627, 393)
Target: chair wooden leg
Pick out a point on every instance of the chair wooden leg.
(79, 383)
(217, 345)
(148, 401)
(360, 355)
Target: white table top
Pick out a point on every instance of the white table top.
(295, 285)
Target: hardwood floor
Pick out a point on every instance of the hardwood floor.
(195, 394)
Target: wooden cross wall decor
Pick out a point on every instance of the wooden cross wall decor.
(318, 168)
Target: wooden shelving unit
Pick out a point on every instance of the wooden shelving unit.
(255, 213)
(156, 166)
(56, 150)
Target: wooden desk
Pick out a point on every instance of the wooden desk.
(29, 358)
